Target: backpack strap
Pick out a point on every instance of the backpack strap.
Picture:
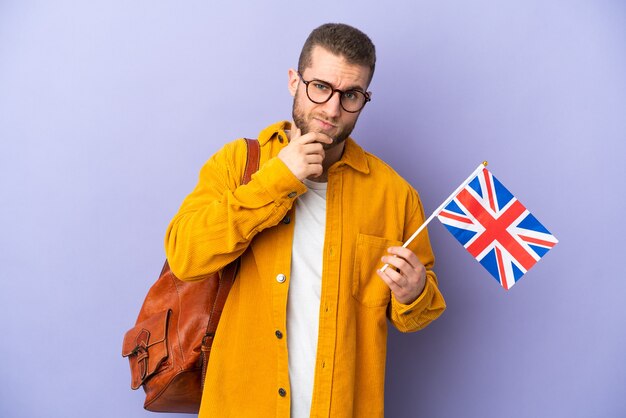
(252, 162)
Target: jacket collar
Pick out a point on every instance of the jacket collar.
(353, 155)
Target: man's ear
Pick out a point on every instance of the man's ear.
(294, 80)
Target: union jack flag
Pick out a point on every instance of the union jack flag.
(496, 228)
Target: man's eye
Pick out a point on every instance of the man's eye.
(320, 86)
(351, 95)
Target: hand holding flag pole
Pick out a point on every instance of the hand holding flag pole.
(494, 227)
(440, 208)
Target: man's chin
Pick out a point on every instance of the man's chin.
(329, 134)
(337, 137)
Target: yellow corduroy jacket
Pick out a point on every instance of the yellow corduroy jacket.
(369, 207)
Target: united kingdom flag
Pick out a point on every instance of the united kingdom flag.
(496, 228)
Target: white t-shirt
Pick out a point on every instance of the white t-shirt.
(305, 288)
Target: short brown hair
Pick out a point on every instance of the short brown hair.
(343, 40)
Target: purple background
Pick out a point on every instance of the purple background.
(108, 109)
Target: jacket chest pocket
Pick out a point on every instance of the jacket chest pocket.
(367, 287)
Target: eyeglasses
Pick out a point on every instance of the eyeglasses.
(320, 92)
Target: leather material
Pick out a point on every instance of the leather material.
(148, 335)
(168, 348)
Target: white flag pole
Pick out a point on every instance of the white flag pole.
(440, 208)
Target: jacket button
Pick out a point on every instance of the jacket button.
(281, 278)
(282, 392)
(292, 195)
(279, 334)
(286, 219)
(280, 139)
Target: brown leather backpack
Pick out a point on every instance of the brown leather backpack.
(169, 346)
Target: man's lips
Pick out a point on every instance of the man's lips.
(325, 124)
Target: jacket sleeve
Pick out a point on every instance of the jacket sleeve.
(430, 303)
(217, 221)
(425, 309)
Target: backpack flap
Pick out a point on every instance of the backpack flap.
(145, 345)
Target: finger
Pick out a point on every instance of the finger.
(315, 170)
(405, 254)
(295, 132)
(397, 262)
(314, 159)
(313, 148)
(322, 137)
(315, 137)
(392, 279)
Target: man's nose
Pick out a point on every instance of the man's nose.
(333, 105)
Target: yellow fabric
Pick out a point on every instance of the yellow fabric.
(369, 208)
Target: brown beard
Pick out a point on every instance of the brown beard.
(302, 123)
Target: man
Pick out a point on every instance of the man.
(303, 332)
